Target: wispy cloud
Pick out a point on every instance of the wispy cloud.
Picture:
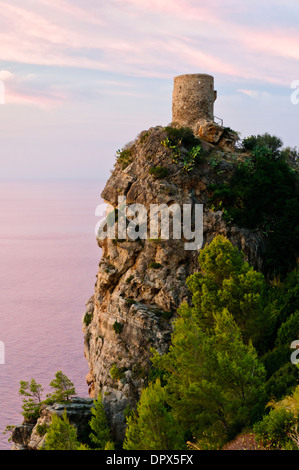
(146, 37)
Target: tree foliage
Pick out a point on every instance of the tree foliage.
(100, 434)
(61, 435)
(153, 426)
(63, 388)
(33, 393)
(262, 194)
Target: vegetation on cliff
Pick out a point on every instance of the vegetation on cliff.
(227, 370)
(218, 374)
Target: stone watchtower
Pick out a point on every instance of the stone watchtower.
(193, 100)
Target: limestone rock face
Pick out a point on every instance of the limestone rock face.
(141, 283)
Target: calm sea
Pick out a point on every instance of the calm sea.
(49, 259)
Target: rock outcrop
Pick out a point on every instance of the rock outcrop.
(31, 435)
(141, 283)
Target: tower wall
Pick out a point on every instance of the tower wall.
(193, 99)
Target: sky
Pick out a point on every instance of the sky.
(79, 79)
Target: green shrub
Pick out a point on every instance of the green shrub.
(41, 429)
(124, 157)
(270, 142)
(179, 139)
(182, 136)
(87, 318)
(282, 382)
(273, 430)
(159, 172)
(116, 373)
(155, 265)
(264, 195)
(118, 327)
(289, 330)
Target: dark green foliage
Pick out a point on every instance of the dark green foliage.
(263, 194)
(272, 143)
(182, 136)
(287, 298)
(164, 314)
(282, 382)
(87, 318)
(276, 358)
(155, 265)
(289, 330)
(159, 172)
(118, 327)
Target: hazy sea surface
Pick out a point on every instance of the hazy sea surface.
(48, 265)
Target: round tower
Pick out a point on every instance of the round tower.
(193, 99)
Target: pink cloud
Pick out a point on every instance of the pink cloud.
(144, 38)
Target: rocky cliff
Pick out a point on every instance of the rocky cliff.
(141, 283)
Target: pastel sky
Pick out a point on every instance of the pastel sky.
(82, 78)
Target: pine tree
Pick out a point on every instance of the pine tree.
(153, 426)
(61, 434)
(214, 380)
(226, 281)
(63, 388)
(31, 404)
(100, 434)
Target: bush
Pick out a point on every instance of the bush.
(272, 143)
(289, 330)
(118, 327)
(155, 265)
(282, 382)
(116, 373)
(159, 172)
(182, 136)
(273, 430)
(87, 318)
(264, 195)
(186, 148)
(124, 157)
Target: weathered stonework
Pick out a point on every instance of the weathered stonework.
(193, 100)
